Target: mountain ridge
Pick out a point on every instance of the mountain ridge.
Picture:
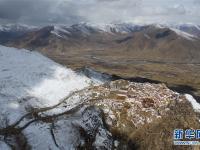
(116, 27)
(154, 52)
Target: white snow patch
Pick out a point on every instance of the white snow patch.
(56, 33)
(58, 30)
(4, 146)
(184, 34)
(159, 26)
(64, 133)
(198, 27)
(195, 104)
(61, 29)
(147, 36)
(39, 136)
(30, 79)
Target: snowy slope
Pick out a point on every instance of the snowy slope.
(184, 34)
(30, 79)
(178, 30)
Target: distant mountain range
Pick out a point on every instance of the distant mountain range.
(167, 53)
(177, 43)
(45, 105)
(111, 28)
(13, 31)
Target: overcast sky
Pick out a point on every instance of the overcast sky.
(42, 12)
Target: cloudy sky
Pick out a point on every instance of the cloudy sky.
(42, 12)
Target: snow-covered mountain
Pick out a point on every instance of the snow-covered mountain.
(16, 27)
(88, 28)
(10, 32)
(192, 29)
(111, 28)
(14, 31)
(143, 42)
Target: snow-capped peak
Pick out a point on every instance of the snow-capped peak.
(188, 31)
(184, 34)
(16, 27)
(89, 28)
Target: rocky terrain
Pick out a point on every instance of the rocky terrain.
(164, 53)
(47, 106)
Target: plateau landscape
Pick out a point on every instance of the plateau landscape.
(74, 76)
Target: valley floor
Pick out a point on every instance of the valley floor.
(182, 77)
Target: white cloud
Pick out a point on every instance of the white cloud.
(102, 11)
